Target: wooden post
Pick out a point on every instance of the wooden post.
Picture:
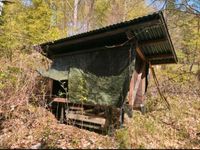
(137, 86)
(138, 80)
(139, 99)
(50, 88)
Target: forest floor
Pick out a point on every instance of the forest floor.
(38, 128)
(31, 126)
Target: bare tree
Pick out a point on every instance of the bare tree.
(75, 13)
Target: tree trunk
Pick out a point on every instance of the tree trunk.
(90, 12)
(65, 16)
(75, 13)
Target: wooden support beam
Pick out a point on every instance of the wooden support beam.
(60, 100)
(140, 53)
(137, 84)
(136, 89)
(139, 99)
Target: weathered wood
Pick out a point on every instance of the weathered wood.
(50, 87)
(76, 108)
(91, 119)
(135, 90)
(137, 83)
(60, 100)
(136, 86)
(140, 53)
(139, 99)
(88, 125)
(62, 114)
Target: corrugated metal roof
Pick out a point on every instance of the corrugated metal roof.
(150, 31)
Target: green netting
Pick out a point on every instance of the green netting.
(54, 74)
(99, 77)
(89, 88)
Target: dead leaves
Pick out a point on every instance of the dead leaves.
(31, 127)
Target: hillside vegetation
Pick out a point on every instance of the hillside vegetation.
(24, 120)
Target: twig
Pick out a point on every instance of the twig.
(158, 88)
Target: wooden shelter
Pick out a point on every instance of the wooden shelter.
(106, 71)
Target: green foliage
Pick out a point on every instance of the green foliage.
(123, 138)
(24, 26)
(191, 40)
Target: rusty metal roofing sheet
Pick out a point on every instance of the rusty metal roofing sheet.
(145, 29)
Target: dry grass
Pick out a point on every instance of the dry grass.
(24, 121)
(29, 125)
(19, 82)
(161, 128)
(25, 126)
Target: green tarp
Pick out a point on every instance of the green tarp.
(89, 88)
(99, 77)
(54, 74)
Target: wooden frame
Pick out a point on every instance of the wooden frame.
(138, 80)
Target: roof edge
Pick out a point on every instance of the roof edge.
(168, 35)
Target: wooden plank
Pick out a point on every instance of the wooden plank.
(60, 100)
(140, 53)
(91, 119)
(131, 88)
(50, 87)
(137, 83)
(136, 87)
(88, 125)
(89, 113)
(76, 108)
(139, 99)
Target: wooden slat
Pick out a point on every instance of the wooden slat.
(76, 108)
(88, 125)
(60, 100)
(91, 119)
